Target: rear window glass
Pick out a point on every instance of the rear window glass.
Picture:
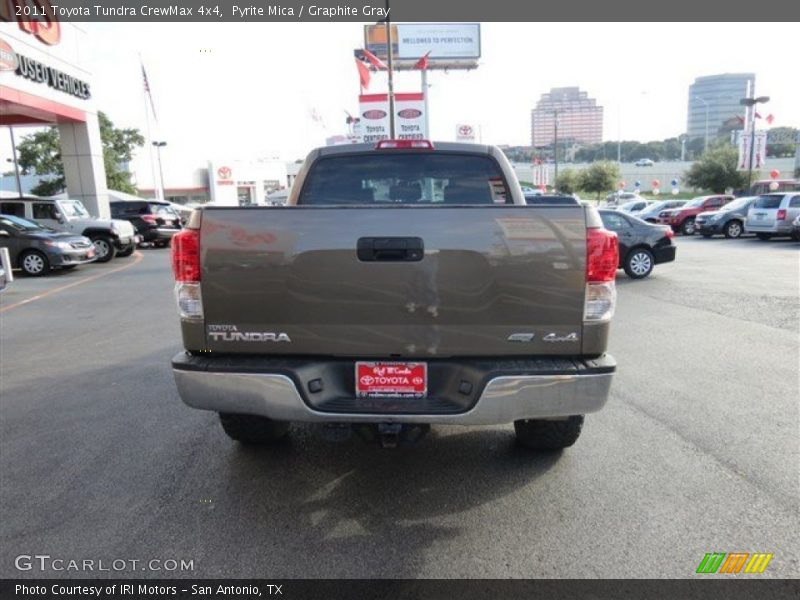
(16, 209)
(162, 210)
(768, 202)
(419, 178)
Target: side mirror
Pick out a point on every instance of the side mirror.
(4, 233)
(61, 219)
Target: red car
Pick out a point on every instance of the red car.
(682, 219)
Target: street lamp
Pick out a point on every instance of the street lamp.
(14, 160)
(159, 146)
(705, 143)
(555, 146)
(751, 104)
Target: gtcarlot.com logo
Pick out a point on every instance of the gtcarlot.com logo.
(46, 562)
(734, 562)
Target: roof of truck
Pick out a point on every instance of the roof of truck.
(447, 146)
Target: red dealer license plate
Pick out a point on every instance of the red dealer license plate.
(393, 379)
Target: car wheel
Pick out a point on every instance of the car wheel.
(733, 229)
(688, 227)
(104, 248)
(127, 252)
(639, 263)
(250, 429)
(764, 236)
(546, 434)
(34, 263)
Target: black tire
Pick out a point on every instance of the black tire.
(687, 227)
(733, 229)
(541, 434)
(764, 236)
(250, 429)
(34, 263)
(639, 263)
(127, 252)
(104, 246)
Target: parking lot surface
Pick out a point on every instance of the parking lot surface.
(696, 451)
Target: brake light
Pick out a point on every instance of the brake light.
(403, 144)
(186, 256)
(602, 255)
(781, 214)
(669, 233)
(149, 219)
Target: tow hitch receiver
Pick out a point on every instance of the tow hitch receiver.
(391, 435)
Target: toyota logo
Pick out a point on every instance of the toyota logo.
(367, 380)
(374, 114)
(409, 113)
(8, 58)
(465, 130)
(224, 172)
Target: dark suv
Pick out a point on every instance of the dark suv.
(154, 220)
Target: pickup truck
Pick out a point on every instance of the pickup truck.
(404, 284)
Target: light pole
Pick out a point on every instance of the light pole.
(555, 146)
(15, 161)
(390, 57)
(705, 143)
(751, 104)
(159, 146)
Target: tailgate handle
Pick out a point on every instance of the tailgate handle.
(390, 249)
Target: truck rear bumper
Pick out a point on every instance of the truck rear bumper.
(502, 396)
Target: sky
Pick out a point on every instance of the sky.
(247, 90)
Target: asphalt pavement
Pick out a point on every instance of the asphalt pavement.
(696, 451)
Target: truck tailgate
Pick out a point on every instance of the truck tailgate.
(471, 281)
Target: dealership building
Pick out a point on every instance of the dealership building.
(44, 81)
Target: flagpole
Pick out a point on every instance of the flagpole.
(425, 105)
(389, 54)
(156, 188)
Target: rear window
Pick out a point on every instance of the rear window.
(162, 210)
(418, 178)
(16, 209)
(768, 202)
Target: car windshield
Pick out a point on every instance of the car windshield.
(162, 210)
(631, 205)
(694, 203)
(737, 204)
(73, 208)
(21, 224)
(768, 202)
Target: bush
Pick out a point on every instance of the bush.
(567, 181)
(716, 171)
(600, 177)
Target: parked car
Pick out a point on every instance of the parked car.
(642, 245)
(651, 212)
(644, 162)
(635, 206)
(796, 229)
(281, 334)
(771, 215)
(784, 185)
(616, 198)
(3, 278)
(36, 249)
(111, 237)
(551, 199)
(728, 220)
(682, 219)
(155, 220)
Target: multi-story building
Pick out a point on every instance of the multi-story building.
(580, 119)
(714, 101)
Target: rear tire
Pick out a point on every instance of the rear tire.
(34, 263)
(639, 263)
(733, 229)
(687, 227)
(104, 246)
(543, 434)
(250, 429)
(764, 236)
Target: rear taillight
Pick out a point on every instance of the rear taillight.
(149, 219)
(781, 214)
(186, 269)
(602, 260)
(669, 233)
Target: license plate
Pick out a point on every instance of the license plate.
(392, 379)
(760, 216)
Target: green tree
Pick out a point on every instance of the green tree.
(716, 170)
(567, 181)
(40, 153)
(599, 177)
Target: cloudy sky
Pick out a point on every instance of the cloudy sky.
(235, 90)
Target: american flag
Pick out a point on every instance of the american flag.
(148, 92)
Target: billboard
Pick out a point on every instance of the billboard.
(450, 44)
(465, 133)
(409, 121)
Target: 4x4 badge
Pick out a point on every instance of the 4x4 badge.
(553, 337)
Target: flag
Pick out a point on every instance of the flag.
(770, 118)
(758, 115)
(740, 119)
(363, 74)
(147, 91)
(375, 61)
(422, 63)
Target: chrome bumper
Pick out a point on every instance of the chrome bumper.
(504, 399)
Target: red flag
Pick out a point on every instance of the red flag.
(770, 118)
(758, 115)
(422, 63)
(375, 61)
(148, 92)
(740, 119)
(363, 74)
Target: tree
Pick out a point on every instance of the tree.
(599, 177)
(567, 181)
(40, 153)
(781, 141)
(716, 170)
